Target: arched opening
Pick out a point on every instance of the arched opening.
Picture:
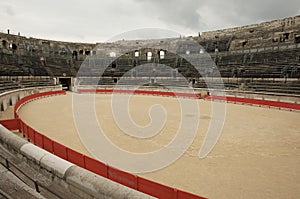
(87, 52)
(297, 39)
(149, 56)
(112, 54)
(14, 47)
(65, 82)
(161, 54)
(4, 44)
(136, 53)
(114, 65)
(75, 55)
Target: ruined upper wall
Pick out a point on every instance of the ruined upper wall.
(280, 24)
(23, 45)
(279, 32)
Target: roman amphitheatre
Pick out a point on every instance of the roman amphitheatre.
(256, 155)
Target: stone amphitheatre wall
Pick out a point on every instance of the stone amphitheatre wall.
(257, 57)
(277, 32)
(282, 31)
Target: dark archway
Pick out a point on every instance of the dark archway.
(75, 55)
(4, 44)
(14, 47)
(65, 82)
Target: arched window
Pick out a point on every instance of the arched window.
(4, 44)
(14, 47)
(112, 54)
(87, 52)
(75, 54)
(161, 54)
(149, 56)
(136, 53)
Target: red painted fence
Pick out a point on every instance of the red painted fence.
(11, 124)
(260, 102)
(141, 92)
(100, 168)
(130, 180)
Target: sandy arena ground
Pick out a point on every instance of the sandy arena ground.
(257, 155)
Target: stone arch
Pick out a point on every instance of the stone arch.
(14, 46)
(4, 44)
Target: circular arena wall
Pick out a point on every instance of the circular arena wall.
(256, 156)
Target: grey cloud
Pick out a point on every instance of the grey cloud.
(7, 9)
(71, 19)
(186, 14)
(174, 12)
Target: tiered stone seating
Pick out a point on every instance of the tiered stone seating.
(6, 85)
(11, 70)
(12, 83)
(289, 87)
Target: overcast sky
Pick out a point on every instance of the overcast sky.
(99, 20)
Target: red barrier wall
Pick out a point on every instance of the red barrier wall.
(100, 168)
(60, 150)
(48, 144)
(156, 189)
(38, 139)
(25, 128)
(35, 96)
(30, 133)
(75, 157)
(141, 92)
(260, 102)
(130, 180)
(96, 166)
(11, 124)
(122, 177)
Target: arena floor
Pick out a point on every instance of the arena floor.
(257, 155)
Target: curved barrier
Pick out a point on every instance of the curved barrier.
(11, 97)
(259, 102)
(130, 180)
(70, 177)
(141, 92)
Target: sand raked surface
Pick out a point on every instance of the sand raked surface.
(257, 155)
